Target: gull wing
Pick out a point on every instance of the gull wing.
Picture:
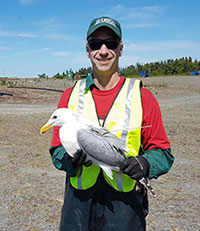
(102, 145)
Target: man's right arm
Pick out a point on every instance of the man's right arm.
(61, 160)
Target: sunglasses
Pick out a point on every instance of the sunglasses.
(95, 44)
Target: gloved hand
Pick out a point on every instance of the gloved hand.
(135, 167)
(80, 158)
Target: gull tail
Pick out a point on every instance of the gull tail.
(108, 171)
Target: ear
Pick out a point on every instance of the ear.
(121, 46)
(87, 50)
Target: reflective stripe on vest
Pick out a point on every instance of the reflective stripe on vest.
(85, 177)
(123, 119)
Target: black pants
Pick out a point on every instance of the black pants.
(101, 208)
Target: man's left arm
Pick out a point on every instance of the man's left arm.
(160, 161)
(156, 146)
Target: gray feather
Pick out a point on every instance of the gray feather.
(102, 145)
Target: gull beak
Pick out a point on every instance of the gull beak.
(45, 128)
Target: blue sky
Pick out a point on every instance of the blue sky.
(48, 36)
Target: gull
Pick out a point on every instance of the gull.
(100, 145)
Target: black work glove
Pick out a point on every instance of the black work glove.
(80, 158)
(135, 167)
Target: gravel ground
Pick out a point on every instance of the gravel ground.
(32, 189)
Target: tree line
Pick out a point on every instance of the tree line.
(181, 66)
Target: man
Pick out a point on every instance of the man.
(92, 200)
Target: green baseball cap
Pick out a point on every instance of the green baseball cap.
(105, 21)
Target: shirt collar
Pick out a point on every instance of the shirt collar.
(89, 81)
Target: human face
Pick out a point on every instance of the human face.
(105, 59)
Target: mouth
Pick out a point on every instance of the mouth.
(104, 61)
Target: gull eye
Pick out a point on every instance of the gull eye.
(55, 117)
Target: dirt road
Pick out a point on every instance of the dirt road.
(32, 189)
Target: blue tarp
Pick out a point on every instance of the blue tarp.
(195, 73)
(143, 74)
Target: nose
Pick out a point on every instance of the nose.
(103, 51)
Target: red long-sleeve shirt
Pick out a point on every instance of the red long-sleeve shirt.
(152, 137)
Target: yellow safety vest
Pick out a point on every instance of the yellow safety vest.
(124, 120)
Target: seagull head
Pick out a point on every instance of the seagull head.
(60, 117)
